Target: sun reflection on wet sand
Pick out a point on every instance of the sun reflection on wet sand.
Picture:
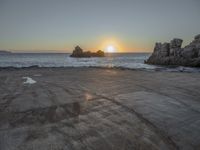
(111, 72)
(88, 96)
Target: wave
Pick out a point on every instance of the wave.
(157, 68)
(118, 61)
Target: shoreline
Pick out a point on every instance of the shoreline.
(55, 108)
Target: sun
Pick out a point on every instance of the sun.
(110, 49)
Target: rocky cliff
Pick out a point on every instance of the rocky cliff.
(172, 53)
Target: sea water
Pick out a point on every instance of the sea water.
(112, 60)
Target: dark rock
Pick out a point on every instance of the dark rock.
(100, 53)
(157, 47)
(78, 52)
(164, 50)
(161, 50)
(190, 51)
(175, 46)
(176, 52)
(199, 53)
(173, 54)
(197, 37)
(176, 43)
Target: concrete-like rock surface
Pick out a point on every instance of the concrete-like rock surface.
(99, 109)
(172, 53)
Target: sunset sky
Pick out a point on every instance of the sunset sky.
(127, 25)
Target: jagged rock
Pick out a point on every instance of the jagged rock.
(197, 37)
(78, 52)
(175, 46)
(161, 50)
(164, 50)
(176, 43)
(157, 47)
(100, 53)
(198, 46)
(173, 54)
(189, 52)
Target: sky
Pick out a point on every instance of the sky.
(127, 25)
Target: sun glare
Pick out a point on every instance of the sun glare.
(111, 45)
(110, 49)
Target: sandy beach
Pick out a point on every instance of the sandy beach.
(98, 109)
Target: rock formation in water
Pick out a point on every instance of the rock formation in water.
(78, 52)
(172, 53)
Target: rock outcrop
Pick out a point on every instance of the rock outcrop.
(172, 53)
(78, 52)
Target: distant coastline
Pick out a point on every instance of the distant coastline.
(5, 52)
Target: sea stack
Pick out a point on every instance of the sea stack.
(172, 53)
(78, 52)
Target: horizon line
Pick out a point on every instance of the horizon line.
(66, 51)
(71, 53)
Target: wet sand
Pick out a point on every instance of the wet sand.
(99, 109)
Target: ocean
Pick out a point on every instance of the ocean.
(112, 60)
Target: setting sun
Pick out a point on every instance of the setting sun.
(110, 49)
(111, 45)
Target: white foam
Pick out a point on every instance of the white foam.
(28, 80)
